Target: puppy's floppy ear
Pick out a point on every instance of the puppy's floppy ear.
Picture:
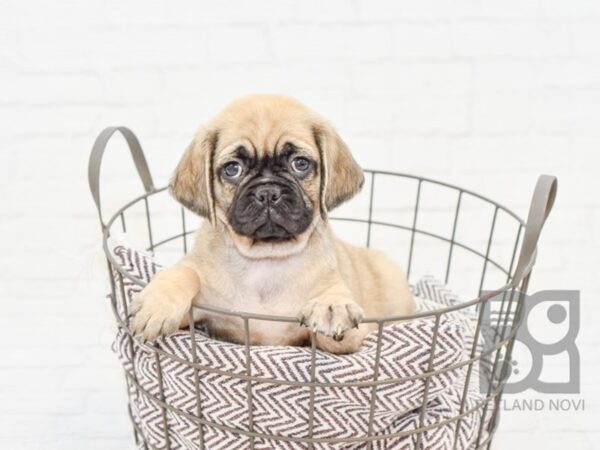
(192, 183)
(341, 176)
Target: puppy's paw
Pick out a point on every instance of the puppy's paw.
(331, 317)
(158, 310)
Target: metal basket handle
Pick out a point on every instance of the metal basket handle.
(541, 205)
(96, 160)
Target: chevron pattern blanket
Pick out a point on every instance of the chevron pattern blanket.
(283, 410)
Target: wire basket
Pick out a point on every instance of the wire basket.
(427, 226)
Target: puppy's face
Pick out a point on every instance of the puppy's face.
(268, 196)
(269, 169)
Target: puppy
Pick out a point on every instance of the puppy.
(265, 172)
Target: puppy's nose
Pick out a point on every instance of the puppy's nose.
(268, 194)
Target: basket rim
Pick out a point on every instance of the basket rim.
(152, 347)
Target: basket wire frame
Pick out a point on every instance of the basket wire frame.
(508, 319)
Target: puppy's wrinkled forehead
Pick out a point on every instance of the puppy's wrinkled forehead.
(263, 125)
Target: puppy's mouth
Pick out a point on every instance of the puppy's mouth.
(272, 232)
(270, 212)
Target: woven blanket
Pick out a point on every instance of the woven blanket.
(340, 412)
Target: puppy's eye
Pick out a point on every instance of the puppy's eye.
(300, 164)
(232, 169)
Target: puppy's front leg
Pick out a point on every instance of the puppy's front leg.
(336, 316)
(161, 308)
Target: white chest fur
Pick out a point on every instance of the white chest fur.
(265, 286)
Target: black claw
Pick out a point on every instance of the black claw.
(338, 337)
(356, 322)
(303, 322)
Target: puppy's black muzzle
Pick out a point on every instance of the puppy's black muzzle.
(270, 209)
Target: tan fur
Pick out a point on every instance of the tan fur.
(328, 284)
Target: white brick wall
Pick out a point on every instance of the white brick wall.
(483, 93)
